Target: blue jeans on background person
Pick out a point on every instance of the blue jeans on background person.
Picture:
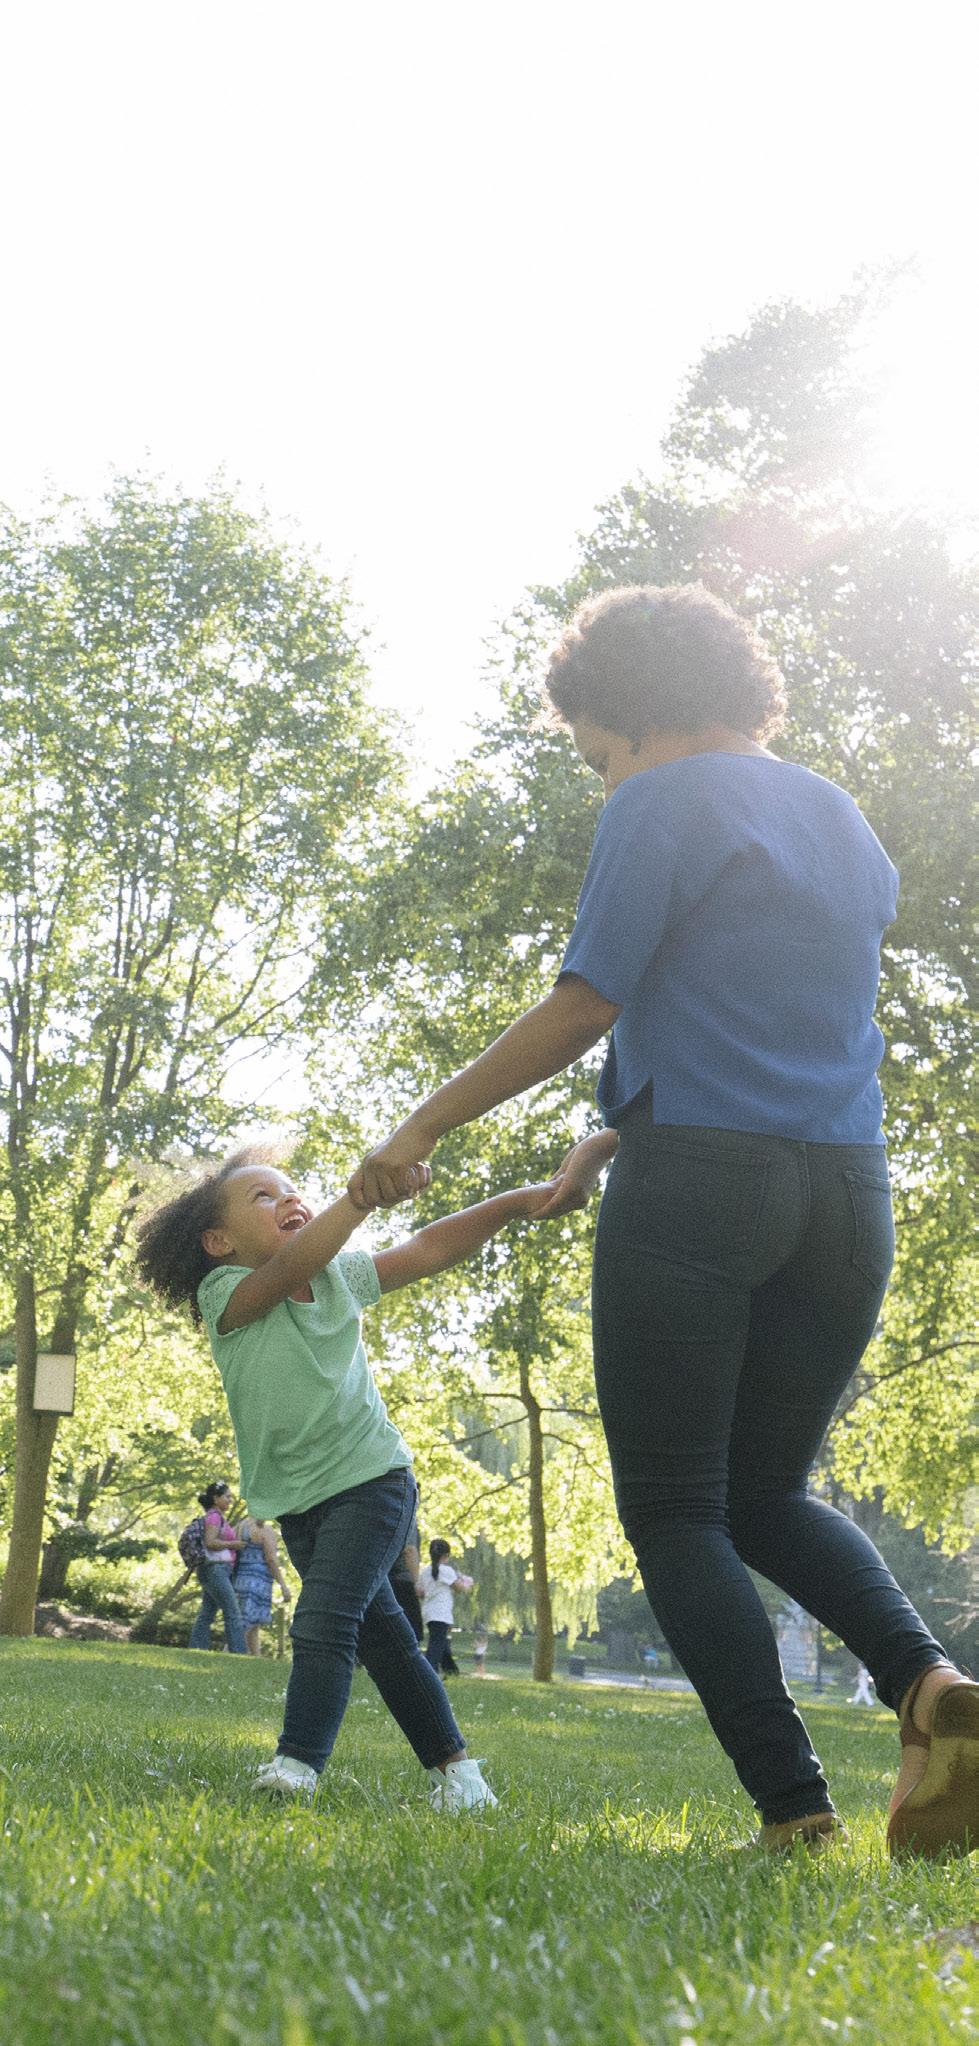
(218, 1597)
(737, 1283)
(438, 1641)
(343, 1549)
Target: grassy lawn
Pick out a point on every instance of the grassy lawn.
(146, 1901)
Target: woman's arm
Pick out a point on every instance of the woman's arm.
(542, 1042)
(214, 1539)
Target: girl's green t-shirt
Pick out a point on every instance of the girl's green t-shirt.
(309, 1421)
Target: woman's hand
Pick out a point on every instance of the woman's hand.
(578, 1176)
(394, 1171)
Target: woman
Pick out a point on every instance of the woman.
(221, 1546)
(437, 1584)
(728, 933)
(258, 1569)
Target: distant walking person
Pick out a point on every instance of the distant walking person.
(438, 1584)
(221, 1545)
(258, 1569)
(863, 1694)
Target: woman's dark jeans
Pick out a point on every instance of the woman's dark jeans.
(737, 1282)
(343, 1550)
(217, 1587)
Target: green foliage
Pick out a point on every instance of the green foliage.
(188, 762)
(870, 614)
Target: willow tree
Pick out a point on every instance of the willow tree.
(187, 757)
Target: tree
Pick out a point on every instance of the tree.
(870, 613)
(187, 756)
(458, 934)
(760, 497)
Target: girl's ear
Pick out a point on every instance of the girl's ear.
(217, 1243)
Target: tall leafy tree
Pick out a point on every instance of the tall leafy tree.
(871, 612)
(191, 773)
(465, 929)
(868, 610)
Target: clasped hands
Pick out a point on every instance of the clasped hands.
(396, 1171)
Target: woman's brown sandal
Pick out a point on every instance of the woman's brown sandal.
(940, 1814)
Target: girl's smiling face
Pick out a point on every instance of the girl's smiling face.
(262, 1209)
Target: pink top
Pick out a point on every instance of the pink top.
(224, 1528)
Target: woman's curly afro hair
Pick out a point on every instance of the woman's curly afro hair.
(676, 659)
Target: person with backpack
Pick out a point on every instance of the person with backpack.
(212, 1546)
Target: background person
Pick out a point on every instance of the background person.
(437, 1586)
(258, 1569)
(863, 1693)
(214, 1574)
(403, 1576)
(728, 933)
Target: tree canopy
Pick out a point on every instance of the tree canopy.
(191, 775)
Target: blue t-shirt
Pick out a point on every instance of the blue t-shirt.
(733, 906)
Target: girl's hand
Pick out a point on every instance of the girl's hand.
(534, 1201)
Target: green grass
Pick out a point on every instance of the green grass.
(146, 1901)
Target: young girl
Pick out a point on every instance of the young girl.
(282, 1302)
(438, 1584)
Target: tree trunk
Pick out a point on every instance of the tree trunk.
(68, 1543)
(146, 1628)
(35, 1441)
(57, 1557)
(543, 1615)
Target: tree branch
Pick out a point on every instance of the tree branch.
(910, 1364)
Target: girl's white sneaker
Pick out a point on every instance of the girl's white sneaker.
(284, 1776)
(460, 1787)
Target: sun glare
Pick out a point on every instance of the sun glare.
(921, 357)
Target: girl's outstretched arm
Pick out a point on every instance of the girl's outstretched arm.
(304, 1254)
(449, 1242)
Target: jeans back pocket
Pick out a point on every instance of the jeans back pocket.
(700, 1201)
(872, 1252)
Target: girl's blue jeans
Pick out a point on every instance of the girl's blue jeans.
(218, 1597)
(738, 1280)
(343, 1550)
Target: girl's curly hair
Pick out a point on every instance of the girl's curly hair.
(672, 659)
(170, 1256)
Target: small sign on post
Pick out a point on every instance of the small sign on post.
(54, 1383)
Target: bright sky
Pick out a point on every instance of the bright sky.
(425, 279)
